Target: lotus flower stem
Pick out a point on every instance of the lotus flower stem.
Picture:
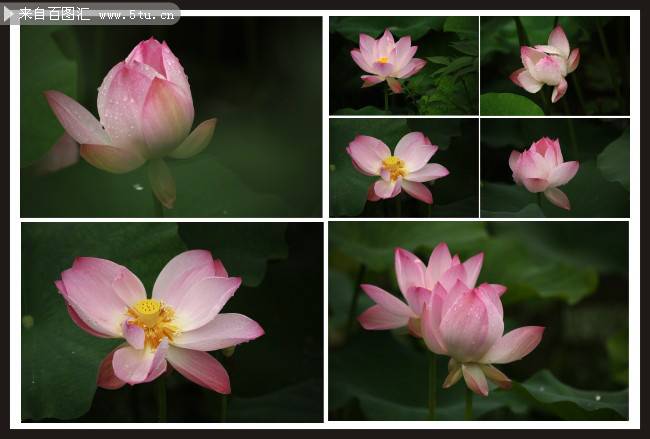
(556, 22)
(521, 32)
(539, 199)
(576, 84)
(572, 134)
(386, 108)
(468, 404)
(608, 61)
(224, 408)
(162, 400)
(432, 386)
(545, 106)
(398, 207)
(355, 299)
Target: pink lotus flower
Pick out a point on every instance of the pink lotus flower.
(541, 168)
(417, 283)
(386, 60)
(467, 324)
(145, 114)
(179, 324)
(547, 64)
(407, 169)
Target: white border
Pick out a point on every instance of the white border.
(634, 241)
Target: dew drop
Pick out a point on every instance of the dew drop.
(597, 397)
(138, 187)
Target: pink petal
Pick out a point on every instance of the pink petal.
(548, 70)
(204, 301)
(514, 345)
(394, 85)
(200, 368)
(403, 52)
(219, 269)
(410, 69)
(386, 43)
(180, 274)
(559, 90)
(493, 292)
(430, 323)
(418, 191)
(558, 39)
(382, 69)
(409, 270)
(430, 171)
(360, 60)
(117, 160)
(557, 197)
(223, 331)
(376, 317)
(102, 95)
(416, 298)
(513, 162)
(387, 301)
(372, 196)
(149, 52)
(573, 61)
(548, 49)
(563, 173)
(133, 334)
(197, 141)
(408, 141)
(455, 374)
(136, 366)
(63, 154)
(475, 379)
(368, 45)
(525, 80)
(387, 189)
(106, 378)
(452, 276)
(416, 150)
(78, 122)
(496, 376)
(174, 71)
(472, 269)
(82, 324)
(367, 153)
(439, 262)
(529, 58)
(167, 116)
(162, 182)
(535, 184)
(370, 80)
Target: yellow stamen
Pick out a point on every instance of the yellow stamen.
(156, 319)
(382, 60)
(395, 166)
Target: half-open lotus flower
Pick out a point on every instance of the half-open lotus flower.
(541, 168)
(417, 282)
(547, 64)
(407, 169)
(145, 114)
(466, 324)
(177, 325)
(386, 60)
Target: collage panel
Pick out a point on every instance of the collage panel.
(536, 66)
(149, 121)
(414, 65)
(412, 167)
(440, 321)
(166, 322)
(555, 168)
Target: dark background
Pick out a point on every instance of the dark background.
(600, 189)
(571, 277)
(602, 83)
(275, 378)
(261, 77)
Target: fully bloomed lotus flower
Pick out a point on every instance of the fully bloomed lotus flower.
(417, 283)
(386, 60)
(178, 324)
(467, 324)
(547, 64)
(541, 168)
(145, 114)
(406, 169)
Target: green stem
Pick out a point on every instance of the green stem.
(545, 104)
(574, 138)
(352, 313)
(224, 408)
(386, 100)
(162, 399)
(432, 386)
(158, 211)
(576, 85)
(398, 207)
(521, 32)
(468, 404)
(539, 199)
(555, 22)
(608, 60)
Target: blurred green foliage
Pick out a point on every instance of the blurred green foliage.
(600, 189)
(558, 275)
(261, 77)
(448, 84)
(453, 196)
(600, 84)
(281, 266)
